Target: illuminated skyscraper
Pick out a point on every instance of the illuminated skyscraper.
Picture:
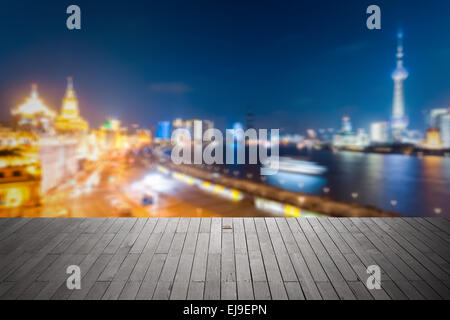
(399, 120)
(163, 130)
(440, 119)
(70, 120)
(445, 130)
(379, 132)
(435, 116)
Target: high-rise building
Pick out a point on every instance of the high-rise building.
(379, 132)
(435, 116)
(70, 121)
(399, 120)
(445, 130)
(163, 131)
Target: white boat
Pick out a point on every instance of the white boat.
(299, 166)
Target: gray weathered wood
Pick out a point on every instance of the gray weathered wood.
(225, 258)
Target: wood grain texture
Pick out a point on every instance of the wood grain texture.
(225, 258)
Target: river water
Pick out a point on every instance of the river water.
(409, 185)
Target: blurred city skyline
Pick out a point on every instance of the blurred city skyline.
(295, 67)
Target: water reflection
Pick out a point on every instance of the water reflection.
(297, 182)
(406, 184)
(436, 186)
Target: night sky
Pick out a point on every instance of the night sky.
(294, 64)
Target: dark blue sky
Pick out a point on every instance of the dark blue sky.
(295, 64)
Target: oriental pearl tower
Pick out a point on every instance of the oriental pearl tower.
(399, 121)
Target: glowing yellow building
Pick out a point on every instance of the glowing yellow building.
(33, 115)
(70, 121)
(433, 139)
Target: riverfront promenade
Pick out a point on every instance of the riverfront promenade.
(224, 258)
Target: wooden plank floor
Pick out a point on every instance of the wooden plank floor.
(225, 258)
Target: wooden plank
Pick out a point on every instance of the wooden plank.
(364, 255)
(333, 250)
(343, 290)
(392, 290)
(24, 280)
(213, 276)
(228, 264)
(429, 225)
(274, 277)
(196, 289)
(150, 281)
(327, 291)
(130, 290)
(386, 247)
(294, 290)
(205, 225)
(303, 273)
(360, 290)
(144, 236)
(5, 287)
(254, 252)
(440, 223)
(330, 237)
(327, 263)
(281, 254)
(243, 274)
(165, 282)
(113, 266)
(33, 290)
(200, 258)
(409, 290)
(26, 244)
(183, 275)
(212, 285)
(97, 291)
(262, 291)
(406, 252)
(114, 289)
(422, 234)
(167, 237)
(13, 226)
(425, 290)
(228, 290)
